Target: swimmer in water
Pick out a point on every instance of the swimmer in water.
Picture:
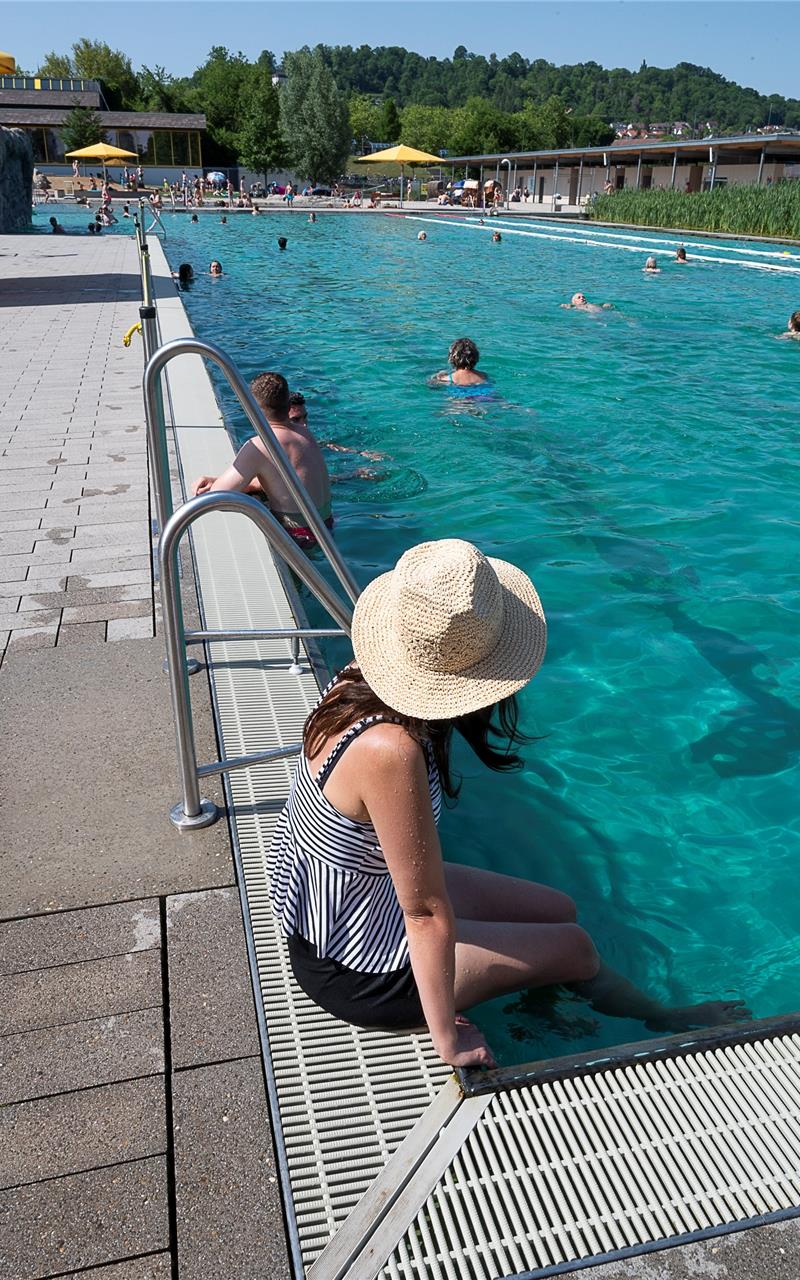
(194, 218)
(496, 237)
(312, 217)
(463, 358)
(422, 236)
(792, 329)
(680, 256)
(282, 242)
(223, 218)
(215, 268)
(651, 267)
(578, 302)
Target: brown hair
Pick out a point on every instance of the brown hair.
(351, 699)
(271, 390)
(463, 354)
(794, 321)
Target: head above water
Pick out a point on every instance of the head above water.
(282, 242)
(194, 218)
(794, 322)
(496, 237)
(463, 354)
(215, 268)
(680, 256)
(271, 392)
(185, 272)
(298, 410)
(578, 300)
(422, 235)
(651, 265)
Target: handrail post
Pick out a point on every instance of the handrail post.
(193, 811)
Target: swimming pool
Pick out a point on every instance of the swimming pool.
(640, 465)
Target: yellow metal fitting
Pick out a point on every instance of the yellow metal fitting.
(126, 340)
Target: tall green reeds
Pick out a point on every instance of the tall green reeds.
(741, 210)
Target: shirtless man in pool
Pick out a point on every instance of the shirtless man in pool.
(252, 471)
(578, 302)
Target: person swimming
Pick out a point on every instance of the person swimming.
(496, 237)
(792, 329)
(194, 218)
(215, 268)
(579, 302)
(463, 358)
(651, 267)
(282, 242)
(422, 235)
(312, 217)
(184, 274)
(680, 255)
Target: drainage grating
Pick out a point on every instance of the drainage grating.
(559, 1174)
(346, 1098)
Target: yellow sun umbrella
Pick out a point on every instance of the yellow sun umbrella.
(402, 155)
(8, 64)
(101, 151)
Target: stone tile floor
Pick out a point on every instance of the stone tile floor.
(74, 503)
(135, 1139)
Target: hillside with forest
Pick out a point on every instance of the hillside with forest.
(334, 100)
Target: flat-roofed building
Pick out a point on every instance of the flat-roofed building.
(693, 164)
(165, 142)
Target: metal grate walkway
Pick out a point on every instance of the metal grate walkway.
(346, 1098)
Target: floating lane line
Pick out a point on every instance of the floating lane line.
(597, 244)
(643, 239)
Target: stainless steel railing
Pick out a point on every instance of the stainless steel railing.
(193, 811)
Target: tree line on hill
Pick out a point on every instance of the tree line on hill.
(338, 97)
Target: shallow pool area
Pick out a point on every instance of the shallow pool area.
(639, 464)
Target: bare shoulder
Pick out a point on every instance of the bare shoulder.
(388, 747)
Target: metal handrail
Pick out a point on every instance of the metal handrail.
(277, 455)
(194, 811)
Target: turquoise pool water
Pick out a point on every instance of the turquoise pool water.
(641, 466)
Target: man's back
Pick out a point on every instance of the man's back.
(306, 457)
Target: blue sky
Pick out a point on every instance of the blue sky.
(754, 43)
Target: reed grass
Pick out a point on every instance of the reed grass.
(740, 210)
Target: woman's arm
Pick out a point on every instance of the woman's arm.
(394, 790)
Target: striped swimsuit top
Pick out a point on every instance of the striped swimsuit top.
(328, 877)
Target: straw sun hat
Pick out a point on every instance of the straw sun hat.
(448, 631)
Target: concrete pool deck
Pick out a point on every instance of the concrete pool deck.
(135, 1131)
(137, 1138)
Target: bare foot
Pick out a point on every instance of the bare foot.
(696, 1017)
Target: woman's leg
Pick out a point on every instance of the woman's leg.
(494, 958)
(487, 895)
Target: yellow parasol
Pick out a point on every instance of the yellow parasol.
(101, 151)
(402, 155)
(8, 64)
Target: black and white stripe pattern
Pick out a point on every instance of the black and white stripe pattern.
(328, 878)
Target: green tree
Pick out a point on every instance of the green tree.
(315, 123)
(219, 89)
(159, 91)
(82, 128)
(261, 145)
(364, 119)
(389, 124)
(56, 66)
(427, 128)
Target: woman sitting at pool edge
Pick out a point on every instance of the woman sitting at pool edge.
(463, 358)
(381, 932)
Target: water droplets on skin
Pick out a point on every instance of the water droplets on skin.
(649, 495)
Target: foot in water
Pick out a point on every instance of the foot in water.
(696, 1017)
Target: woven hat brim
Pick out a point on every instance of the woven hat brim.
(434, 695)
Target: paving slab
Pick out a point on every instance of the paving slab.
(158, 1266)
(770, 1252)
(87, 1129)
(102, 1051)
(72, 993)
(103, 833)
(211, 999)
(83, 1220)
(70, 936)
(229, 1216)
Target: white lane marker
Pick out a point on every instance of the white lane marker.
(597, 244)
(662, 241)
